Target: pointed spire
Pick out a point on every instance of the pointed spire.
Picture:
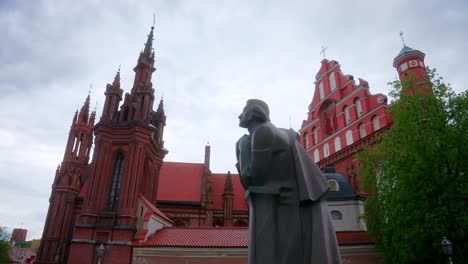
(84, 112)
(228, 189)
(148, 51)
(75, 117)
(116, 82)
(161, 106)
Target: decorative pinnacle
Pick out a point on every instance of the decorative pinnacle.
(402, 38)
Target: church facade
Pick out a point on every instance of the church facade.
(127, 205)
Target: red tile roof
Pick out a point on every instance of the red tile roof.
(218, 188)
(153, 209)
(235, 237)
(180, 181)
(218, 237)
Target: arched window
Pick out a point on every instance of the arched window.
(375, 123)
(336, 215)
(332, 81)
(362, 130)
(326, 150)
(316, 136)
(116, 182)
(321, 92)
(349, 137)
(334, 186)
(307, 142)
(316, 155)
(347, 115)
(337, 144)
(357, 102)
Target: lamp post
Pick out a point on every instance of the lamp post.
(100, 252)
(447, 248)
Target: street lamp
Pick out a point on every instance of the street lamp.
(447, 248)
(100, 252)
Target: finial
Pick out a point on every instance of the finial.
(90, 88)
(323, 51)
(119, 67)
(154, 20)
(95, 107)
(290, 123)
(402, 38)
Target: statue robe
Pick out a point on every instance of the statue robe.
(286, 192)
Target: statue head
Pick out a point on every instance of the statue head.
(255, 111)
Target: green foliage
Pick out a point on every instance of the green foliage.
(418, 175)
(4, 245)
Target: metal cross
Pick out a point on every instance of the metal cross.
(402, 38)
(323, 51)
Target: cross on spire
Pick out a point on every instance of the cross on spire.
(323, 51)
(402, 38)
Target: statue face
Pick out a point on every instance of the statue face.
(246, 117)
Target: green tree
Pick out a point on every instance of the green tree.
(417, 174)
(4, 244)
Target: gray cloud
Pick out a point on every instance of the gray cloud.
(211, 58)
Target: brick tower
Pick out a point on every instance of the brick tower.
(126, 163)
(66, 187)
(410, 67)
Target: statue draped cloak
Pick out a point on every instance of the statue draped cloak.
(289, 222)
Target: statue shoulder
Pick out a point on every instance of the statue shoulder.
(263, 136)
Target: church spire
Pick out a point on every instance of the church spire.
(84, 112)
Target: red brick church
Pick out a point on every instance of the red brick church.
(128, 206)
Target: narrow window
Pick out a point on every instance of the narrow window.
(307, 135)
(326, 150)
(375, 123)
(316, 136)
(116, 182)
(316, 155)
(125, 116)
(349, 137)
(362, 130)
(321, 92)
(347, 116)
(332, 81)
(357, 102)
(337, 144)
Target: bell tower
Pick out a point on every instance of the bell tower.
(129, 151)
(66, 187)
(411, 68)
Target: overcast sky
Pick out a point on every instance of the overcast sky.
(211, 56)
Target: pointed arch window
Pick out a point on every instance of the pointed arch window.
(116, 181)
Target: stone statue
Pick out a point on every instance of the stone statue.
(289, 221)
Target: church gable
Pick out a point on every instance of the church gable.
(342, 111)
